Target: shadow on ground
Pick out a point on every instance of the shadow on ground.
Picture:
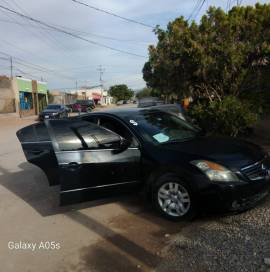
(128, 242)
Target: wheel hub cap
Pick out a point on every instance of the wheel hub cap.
(173, 199)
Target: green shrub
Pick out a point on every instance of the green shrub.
(229, 117)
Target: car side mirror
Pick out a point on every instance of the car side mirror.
(122, 145)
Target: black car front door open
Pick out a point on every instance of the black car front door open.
(38, 150)
(91, 162)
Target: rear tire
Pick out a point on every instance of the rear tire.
(173, 198)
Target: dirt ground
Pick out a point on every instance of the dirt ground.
(120, 234)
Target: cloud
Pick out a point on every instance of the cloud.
(76, 59)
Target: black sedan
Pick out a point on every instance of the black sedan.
(103, 153)
(54, 111)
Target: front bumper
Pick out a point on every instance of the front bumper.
(233, 196)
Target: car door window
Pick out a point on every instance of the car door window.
(114, 126)
(82, 135)
(98, 138)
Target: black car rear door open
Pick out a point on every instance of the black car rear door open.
(91, 164)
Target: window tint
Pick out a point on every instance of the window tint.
(34, 133)
(53, 107)
(27, 134)
(41, 132)
(114, 126)
(65, 137)
(82, 135)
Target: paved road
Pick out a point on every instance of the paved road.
(119, 234)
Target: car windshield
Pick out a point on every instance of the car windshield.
(160, 127)
(53, 107)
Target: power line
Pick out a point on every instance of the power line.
(48, 38)
(25, 73)
(70, 33)
(37, 35)
(104, 37)
(36, 67)
(113, 14)
(194, 10)
(228, 7)
(202, 3)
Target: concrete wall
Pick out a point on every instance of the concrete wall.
(7, 96)
(58, 97)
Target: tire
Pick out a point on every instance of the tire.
(173, 198)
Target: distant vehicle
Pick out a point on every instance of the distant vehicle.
(83, 105)
(54, 111)
(175, 109)
(120, 102)
(69, 106)
(149, 101)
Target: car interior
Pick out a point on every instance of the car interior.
(114, 126)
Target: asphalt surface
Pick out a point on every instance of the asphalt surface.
(117, 234)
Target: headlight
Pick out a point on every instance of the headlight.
(215, 172)
(55, 113)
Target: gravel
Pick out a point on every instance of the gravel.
(232, 243)
(225, 243)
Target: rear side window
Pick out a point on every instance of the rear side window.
(34, 133)
(42, 132)
(81, 135)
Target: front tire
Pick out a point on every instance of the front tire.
(173, 198)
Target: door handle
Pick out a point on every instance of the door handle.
(73, 165)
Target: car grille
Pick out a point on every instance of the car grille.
(256, 171)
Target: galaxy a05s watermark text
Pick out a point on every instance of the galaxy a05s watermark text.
(33, 246)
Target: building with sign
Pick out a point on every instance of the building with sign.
(23, 96)
(97, 94)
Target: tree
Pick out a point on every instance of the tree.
(146, 92)
(121, 92)
(225, 54)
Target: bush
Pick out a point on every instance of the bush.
(229, 117)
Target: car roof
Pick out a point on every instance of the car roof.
(128, 111)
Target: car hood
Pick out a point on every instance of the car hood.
(230, 152)
(50, 111)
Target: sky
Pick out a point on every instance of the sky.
(62, 60)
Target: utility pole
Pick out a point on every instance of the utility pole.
(11, 68)
(101, 72)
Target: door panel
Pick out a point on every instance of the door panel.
(38, 150)
(88, 168)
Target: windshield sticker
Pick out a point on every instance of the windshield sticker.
(134, 123)
(161, 137)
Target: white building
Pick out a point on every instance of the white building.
(98, 94)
